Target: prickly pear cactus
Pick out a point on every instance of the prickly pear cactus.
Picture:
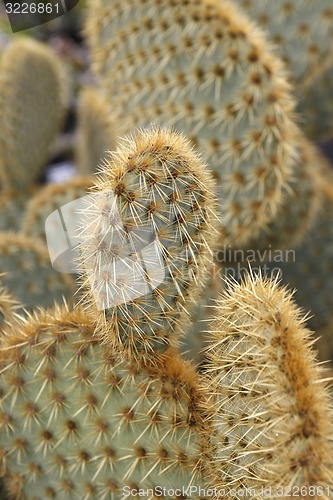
(96, 135)
(78, 423)
(273, 421)
(28, 273)
(81, 419)
(51, 198)
(205, 69)
(154, 196)
(31, 101)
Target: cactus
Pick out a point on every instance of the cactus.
(28, 272)
(96, 401)
(95, 135)
(273, 421)
(307, 268)
(78, 423)
(302, 31)
(31, 100)
(48, 199)
(206, 70)
(165, 201)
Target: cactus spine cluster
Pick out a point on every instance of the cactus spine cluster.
(273, 421)
(204, 69)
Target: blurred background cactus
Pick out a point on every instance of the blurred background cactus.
(249, 84)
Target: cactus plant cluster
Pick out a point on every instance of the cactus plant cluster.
(92, 408)
(97, 400)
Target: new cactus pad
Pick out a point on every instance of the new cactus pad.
(153, 196)
(273, 422)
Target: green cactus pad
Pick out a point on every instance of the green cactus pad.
(316, 106)
(153, 193)
(31, 101)
(301, 205)
(76, 423)
(312, 269)
(273, 421)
